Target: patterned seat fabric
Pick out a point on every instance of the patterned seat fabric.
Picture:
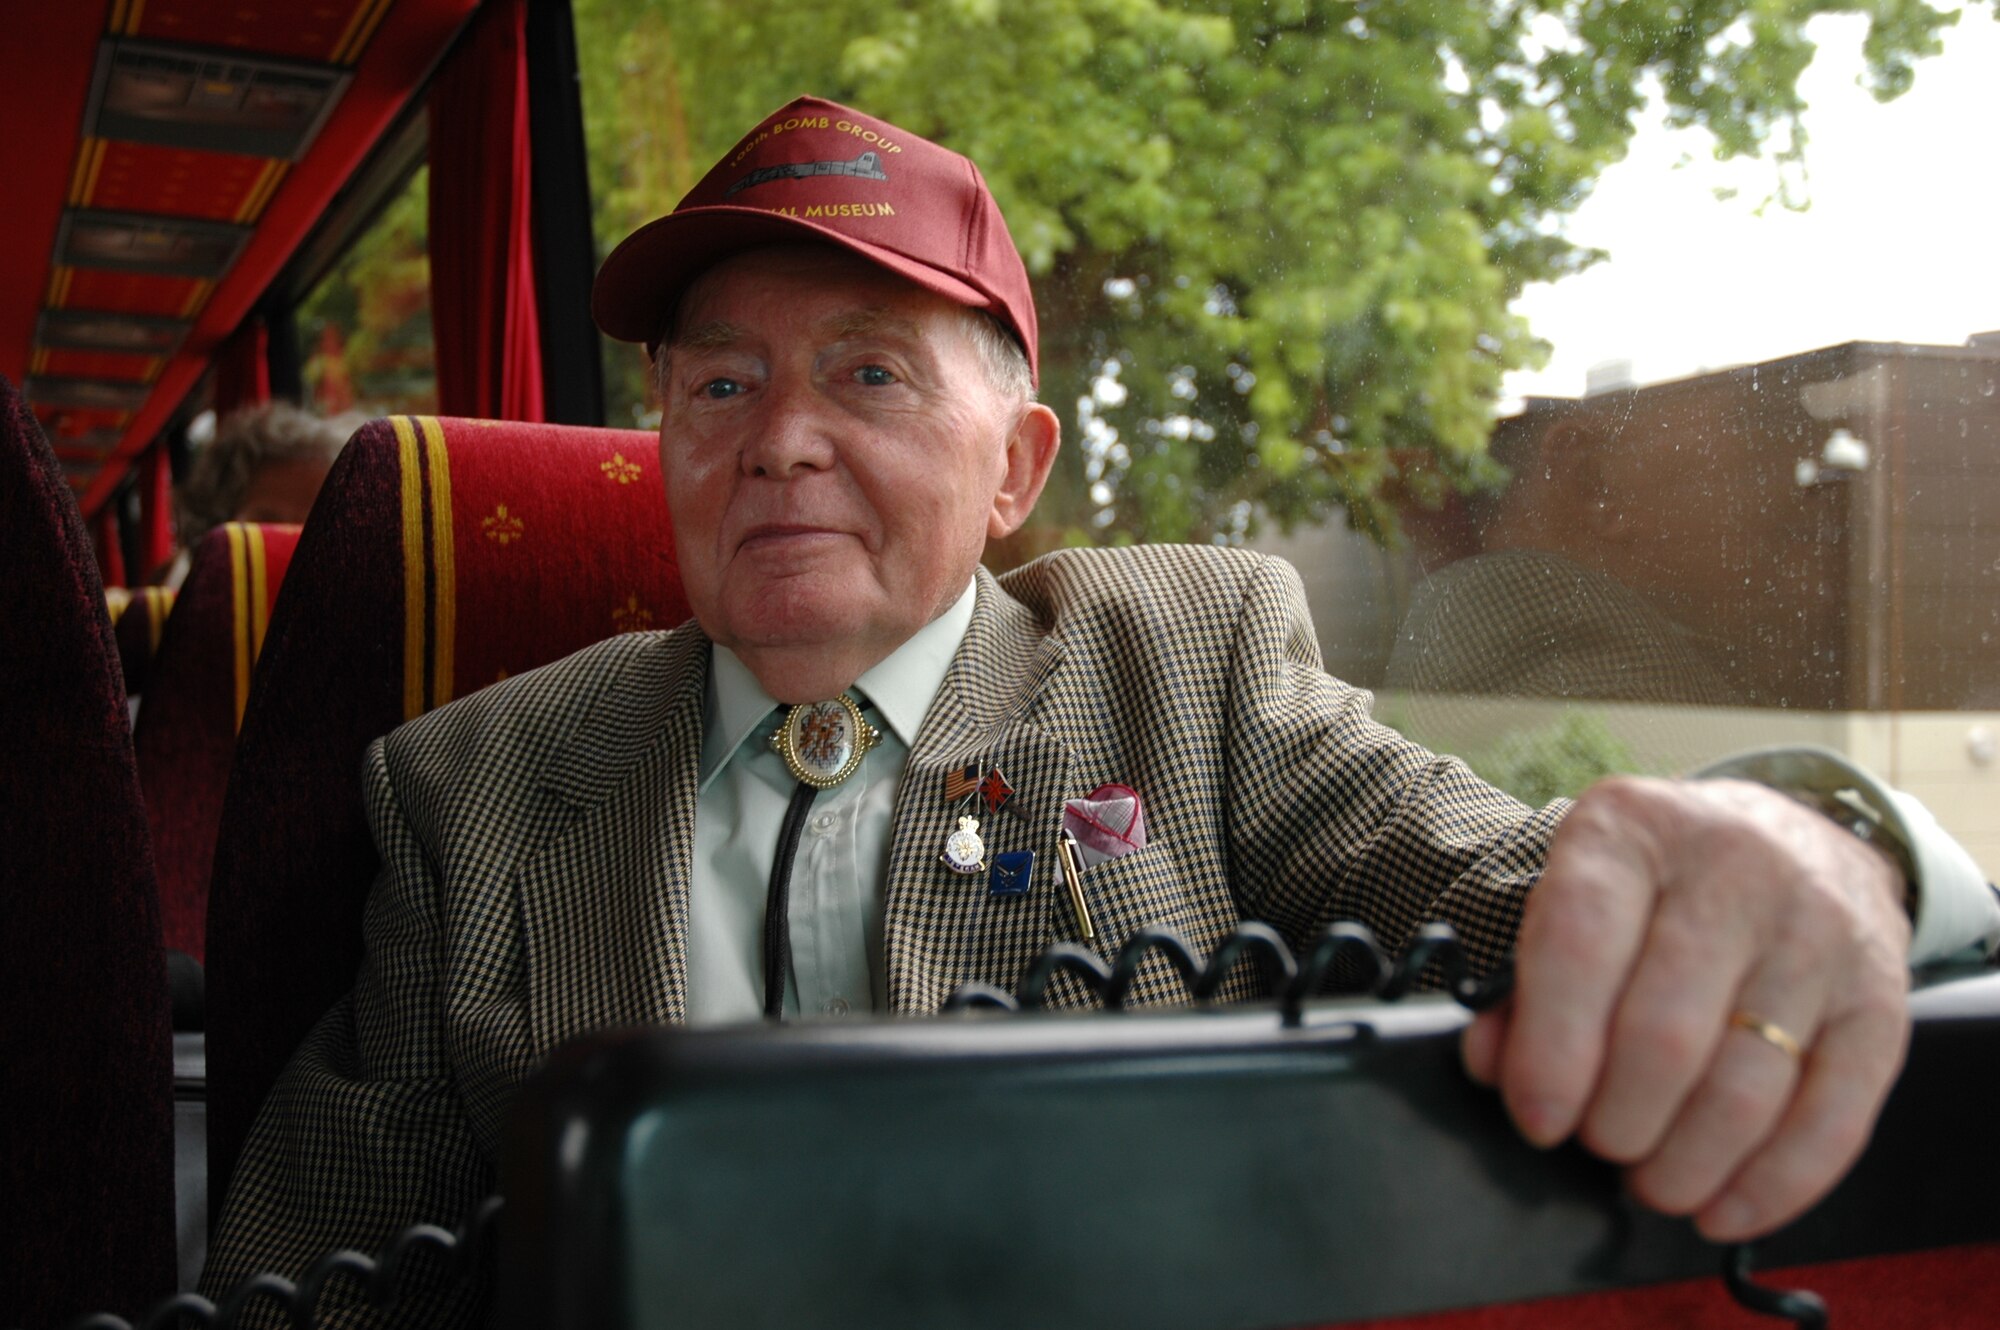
(86, 1094)
(200, 682)
(442, 556)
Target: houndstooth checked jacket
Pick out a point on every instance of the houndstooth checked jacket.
(536, 842)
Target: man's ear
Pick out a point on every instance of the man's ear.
(1031, 452)
(1597, 501)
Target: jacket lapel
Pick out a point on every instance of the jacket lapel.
(604, 903)
(943, 929)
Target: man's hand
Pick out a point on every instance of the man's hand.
(1666, 909)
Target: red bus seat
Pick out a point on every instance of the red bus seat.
(200, 682)
(86, 1095)
(442, 556)
(138, 629)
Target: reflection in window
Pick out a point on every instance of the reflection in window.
(1285, 256)
(365, 330)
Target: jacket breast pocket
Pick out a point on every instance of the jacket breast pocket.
(1145, 888)
(1126, 894)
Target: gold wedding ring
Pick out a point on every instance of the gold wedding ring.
(1774, 1035)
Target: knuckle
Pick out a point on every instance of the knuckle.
(1666, 1040)
(1574, 936)
(1668, 1191)
(1792, 1180)
(1741, 1109)
(1621, 1143)
(1840, 1136)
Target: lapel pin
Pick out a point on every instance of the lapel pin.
(964, 853)
(995, 791)
(992, 787)
(1013, 873)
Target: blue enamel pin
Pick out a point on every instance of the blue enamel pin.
(1012, 873)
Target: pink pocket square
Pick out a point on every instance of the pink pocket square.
(1106, 824)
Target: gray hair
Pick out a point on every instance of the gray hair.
(247, 441)
(1003, 359)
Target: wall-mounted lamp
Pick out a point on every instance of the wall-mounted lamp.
(1843, 453)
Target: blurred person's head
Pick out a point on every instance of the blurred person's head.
(266, 464)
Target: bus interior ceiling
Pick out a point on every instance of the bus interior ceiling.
(182, 152)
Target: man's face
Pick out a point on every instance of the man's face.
(835, 459)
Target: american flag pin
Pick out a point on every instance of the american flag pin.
(993, 788)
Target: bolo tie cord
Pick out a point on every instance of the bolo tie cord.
(778, 902)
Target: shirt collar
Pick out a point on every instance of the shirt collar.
(901, 687)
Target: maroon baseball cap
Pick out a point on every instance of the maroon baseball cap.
(816, 170)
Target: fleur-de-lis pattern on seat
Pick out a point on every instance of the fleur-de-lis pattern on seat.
(631, 617)
(501, 526)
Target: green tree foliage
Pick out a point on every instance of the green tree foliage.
(1274, 241)
(1558, 761)
(366, 328)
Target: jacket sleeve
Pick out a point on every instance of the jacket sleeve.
(1333, 816)
(365, 1133)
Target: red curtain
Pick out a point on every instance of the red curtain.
(110, 547)
(243, 370)
(156, 511)
(483, 315)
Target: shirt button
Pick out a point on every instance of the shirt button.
(823, 824)
(834, 1006)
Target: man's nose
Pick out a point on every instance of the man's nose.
(792, 434)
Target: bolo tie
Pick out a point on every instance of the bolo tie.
(822, 744)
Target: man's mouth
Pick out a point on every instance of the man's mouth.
(782, 535)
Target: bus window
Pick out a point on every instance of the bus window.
(1293, 261)
(365, 328)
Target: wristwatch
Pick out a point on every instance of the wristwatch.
(1849, 797)
(1954, 909)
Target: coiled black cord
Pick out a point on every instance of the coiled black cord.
(382, 1277)
(1292, 981)
(1806, 1309)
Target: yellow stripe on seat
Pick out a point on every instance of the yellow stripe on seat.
(410, 465)
(159, 601)
(239, 596)
(444, 591)
(260, 591)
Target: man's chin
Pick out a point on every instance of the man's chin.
(802, 613)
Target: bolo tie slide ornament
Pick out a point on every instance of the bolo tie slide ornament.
(822, 743)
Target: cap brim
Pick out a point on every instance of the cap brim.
(642, 281)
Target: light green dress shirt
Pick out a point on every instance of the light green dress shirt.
(841, 872)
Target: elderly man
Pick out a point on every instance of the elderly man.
(856, 781)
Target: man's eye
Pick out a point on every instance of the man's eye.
(874, 376)
(720, 388)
